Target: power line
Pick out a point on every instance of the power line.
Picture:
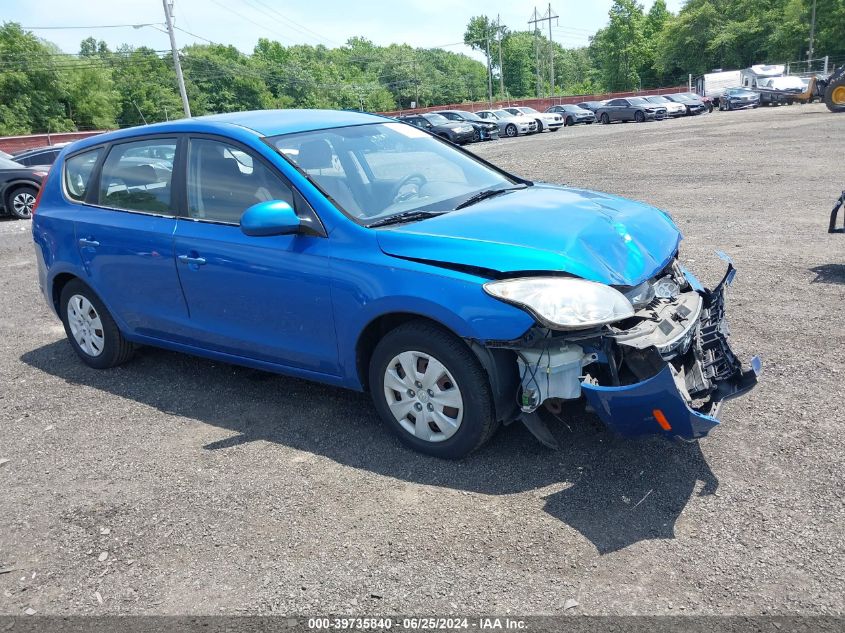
(250, 20)
(199, 37)
(296, 26)
(92, 26)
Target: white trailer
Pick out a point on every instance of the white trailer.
(755, 76)
(713, 85)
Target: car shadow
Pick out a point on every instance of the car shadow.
(829, 274)
(614, 491)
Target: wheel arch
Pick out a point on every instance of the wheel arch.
(59, 282)
(375, 330)
(13, 184)
(499, 365)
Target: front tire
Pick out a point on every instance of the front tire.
(430, 389)
(511, 131)
(605, 119)
(20, 201)
(540, 127)
(569, 121)
(90, 328)
(639, 117)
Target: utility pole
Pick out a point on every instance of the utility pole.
(168, 16)
(416, 83)
(535, 18)
(551, 17)
(489, 68)
(501, 68)
(812, 37)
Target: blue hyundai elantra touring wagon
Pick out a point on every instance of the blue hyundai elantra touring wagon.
(359, 251)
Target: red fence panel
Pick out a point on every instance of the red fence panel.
(12, 144)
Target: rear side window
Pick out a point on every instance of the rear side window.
(138, 176)
(78, 170)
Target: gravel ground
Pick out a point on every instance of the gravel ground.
(174, 485)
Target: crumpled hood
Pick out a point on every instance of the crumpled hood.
(541, 228)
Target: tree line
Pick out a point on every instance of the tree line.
(640, 49)
(44, 89)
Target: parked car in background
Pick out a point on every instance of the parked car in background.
(693, 106)
(455, 131)
(630, 109)
(573, 114)
(360, 252)
(19, 187)
(39, 156)
(707, 101)
(484, 130)
(739, 99)
(592, 106)
(550, 121)
(5, 155)
(673, 108)
(509, 124)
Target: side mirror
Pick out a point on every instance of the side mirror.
(273, 217)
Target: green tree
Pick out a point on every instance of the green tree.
(619, 49)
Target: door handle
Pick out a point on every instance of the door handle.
(88, 243)
(187, 259)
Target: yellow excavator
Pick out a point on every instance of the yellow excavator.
(834, 90)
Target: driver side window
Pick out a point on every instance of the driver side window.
(223, 181)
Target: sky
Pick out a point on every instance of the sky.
(423, 23)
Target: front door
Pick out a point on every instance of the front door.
(124, 231)
(265, 298)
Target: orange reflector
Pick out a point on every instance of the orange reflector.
(661, 420)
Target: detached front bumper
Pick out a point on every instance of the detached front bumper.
(662, 404)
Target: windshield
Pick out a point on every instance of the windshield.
(659, 100)
(527, 110)
(468, 116)
(378, 170)
(503, 114)
(437, 119)
(6, 163)
(637, 101)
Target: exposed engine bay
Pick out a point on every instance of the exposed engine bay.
(677, 338)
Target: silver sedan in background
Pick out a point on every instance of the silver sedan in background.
(509, 124)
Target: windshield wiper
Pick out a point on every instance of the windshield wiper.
(483, 195)
(405, 216)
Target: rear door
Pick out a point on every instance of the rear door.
(124, 230)
(264, 298)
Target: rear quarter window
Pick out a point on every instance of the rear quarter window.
(77, 173)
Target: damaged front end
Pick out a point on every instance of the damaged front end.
(665, 369)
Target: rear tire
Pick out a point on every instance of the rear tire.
(442, 405)
(834, 96)
(20, 201)
(90, 328)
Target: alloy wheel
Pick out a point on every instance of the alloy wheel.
(85, 325)
(22, 204)
(423, 396)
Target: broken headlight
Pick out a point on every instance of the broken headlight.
(563, 303)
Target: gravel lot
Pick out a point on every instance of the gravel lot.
(174, 485)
